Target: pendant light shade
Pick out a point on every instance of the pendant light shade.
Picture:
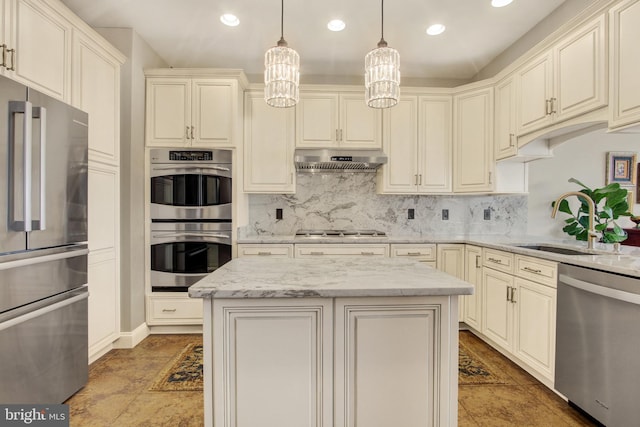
(382, 74)
(281, 72)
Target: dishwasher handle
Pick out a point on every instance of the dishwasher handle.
(600, 290)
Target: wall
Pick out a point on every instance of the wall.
(349, 201)
(582, 158)
(140, 56)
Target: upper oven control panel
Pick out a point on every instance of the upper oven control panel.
(176, 155)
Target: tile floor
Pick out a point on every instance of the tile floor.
(117, 393)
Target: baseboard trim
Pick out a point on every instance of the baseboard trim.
(176, 329)
(133, 338)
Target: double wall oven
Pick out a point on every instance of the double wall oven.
(190, 211)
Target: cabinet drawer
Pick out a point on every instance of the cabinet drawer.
(338, 250)
(537, 270)
(423, 252)
(277, 251)
(498, 260)
(181, 310)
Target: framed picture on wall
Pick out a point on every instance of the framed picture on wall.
(621, 168)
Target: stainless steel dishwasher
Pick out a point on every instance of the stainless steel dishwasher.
(598, 344)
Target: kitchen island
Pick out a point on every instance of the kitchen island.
(330, 342)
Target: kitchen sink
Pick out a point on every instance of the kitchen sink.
(556, 249)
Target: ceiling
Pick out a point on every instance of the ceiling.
(188, 33)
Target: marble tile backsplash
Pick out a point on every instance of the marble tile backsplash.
(349, 201)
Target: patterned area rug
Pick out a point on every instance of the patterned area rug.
(471, 369)
(184, 373)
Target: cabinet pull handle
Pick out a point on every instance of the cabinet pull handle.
(511, 137)
(553, 105)
(415, 178)
(366, 253)
(187, 134)
(490, 178)
(532, 270)
(264, 253)
(497, 261)
(547, 107)
(13, 59)
(420, 179)
(337, 139)
(478, 263)
(513, 295)
(340, 135)
(4, 55)
(414, 253)
(168, 310)
(291, 178)
(316, 253)
(192, 131)
(508, 293)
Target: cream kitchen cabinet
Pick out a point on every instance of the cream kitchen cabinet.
(191, 112)
(519, 309)
(268, 147)
(624, 64)
(341, 250)
(473, 274)
(263, 250)
(450, 259)
(337, 120)
(473, 157)
(566, 81)
(37, 41)
(506, 144)
(423, 252)
(417, 139)
(171, 310)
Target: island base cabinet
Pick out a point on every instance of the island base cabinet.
(272, 361)
(324, 362)
(393, 363)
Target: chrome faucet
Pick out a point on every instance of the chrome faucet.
(592, 235)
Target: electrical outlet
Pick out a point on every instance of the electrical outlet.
(445, 214)
(278, 213)
(487, 214)
(411, 214)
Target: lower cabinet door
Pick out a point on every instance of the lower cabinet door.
(391, 368)
(274, 362)
(535, 325)
(497, 309)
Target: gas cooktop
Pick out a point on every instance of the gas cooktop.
(339, 233)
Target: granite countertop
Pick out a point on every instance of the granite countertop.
(602, 257)
(343, 277)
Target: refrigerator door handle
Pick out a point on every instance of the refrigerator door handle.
(25, 108)
(41, 113)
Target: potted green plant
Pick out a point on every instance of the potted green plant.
(610, 202)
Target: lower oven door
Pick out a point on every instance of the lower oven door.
(183, 253)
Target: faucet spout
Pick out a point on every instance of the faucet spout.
(591, 209)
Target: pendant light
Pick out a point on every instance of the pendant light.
(281, 72)
(382, 74)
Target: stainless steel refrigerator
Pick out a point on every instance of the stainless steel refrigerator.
(43, 247)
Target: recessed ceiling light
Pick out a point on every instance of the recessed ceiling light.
(230, 20)
(500, 3)
(436, 29)
(336, 25)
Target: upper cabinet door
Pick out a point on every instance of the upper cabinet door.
(581, 71)
(434, 144)
(268, 147)
(400, 143)
(534, 93)
(317, 120)
(624, 35)
(473, 141)
(505, 119)
(168, 112)
(42, 57)
(212, 113)
(360, 125)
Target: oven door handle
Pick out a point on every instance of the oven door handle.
(199, 234)
(600, 290)
(173, 170)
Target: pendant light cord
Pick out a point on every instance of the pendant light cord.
(381, 21)
(282, 19)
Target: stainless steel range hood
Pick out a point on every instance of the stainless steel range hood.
(338, 160)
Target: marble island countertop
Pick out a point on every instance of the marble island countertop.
(602, 257)
(344, 277)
